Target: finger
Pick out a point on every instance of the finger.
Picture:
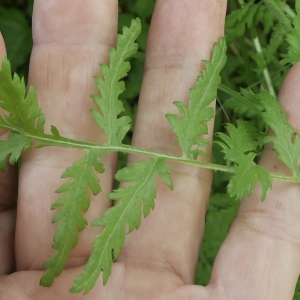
(182, 34)
(70, 39)
(8, 187)
(8, 196)
(260, 257)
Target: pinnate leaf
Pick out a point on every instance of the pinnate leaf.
(239, 147)
(135, 200)
(245, 17)
(286, 141)
(244, 103)
(21, 111)
(115, 127)
(73, 203)
(190, 125)
(13, 147)
(247, 173)
(293, 38)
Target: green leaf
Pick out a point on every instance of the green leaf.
(272, 49)
(244, 103)
(24, 111)
(240, 19)
(286, 142)
(279, 10)
(239, 147)
(190, 125)
(115, 127)
(134, 199)
(74, 202)
(293, 38)
(247, 173)
(14, 147)
(272, 13)
(54, 131)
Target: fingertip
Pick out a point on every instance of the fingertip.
(75, 23)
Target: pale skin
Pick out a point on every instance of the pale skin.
(260, 258)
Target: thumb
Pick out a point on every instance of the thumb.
(262, 249)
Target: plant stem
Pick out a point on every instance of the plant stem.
(258, 49)
(47, 140)
(50, 140)
(266, 72)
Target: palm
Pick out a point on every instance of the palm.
(158, 261)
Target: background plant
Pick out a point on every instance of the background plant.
(256, 36)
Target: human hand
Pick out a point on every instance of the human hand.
(259, 259)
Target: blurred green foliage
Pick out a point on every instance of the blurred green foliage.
(222, 210)
(245, 69)
(15, 26)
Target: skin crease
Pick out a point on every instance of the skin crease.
(259, 259)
